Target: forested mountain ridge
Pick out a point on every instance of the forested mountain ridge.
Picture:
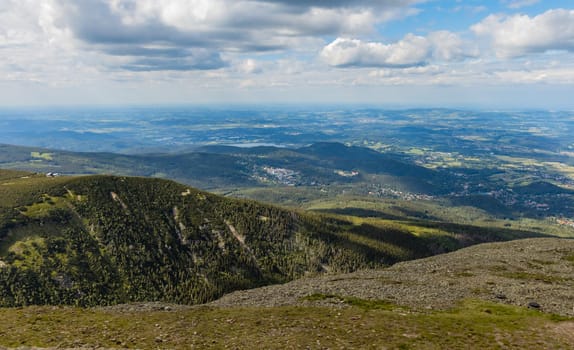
(98, 240)
(216, 167)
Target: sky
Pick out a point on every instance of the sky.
(409, 53)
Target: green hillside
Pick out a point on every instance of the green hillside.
(97, 240)
(216, 167)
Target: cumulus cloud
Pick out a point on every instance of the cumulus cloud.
(411, 51)
(449, 46)
(222, 44)
(32, 47)
(151, 30)
(155, 35)
(342, 3)
(517, 35)
(249, 66)
(28, 23)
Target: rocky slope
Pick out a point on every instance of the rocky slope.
(536, 273)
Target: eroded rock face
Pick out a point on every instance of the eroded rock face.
(536, 273)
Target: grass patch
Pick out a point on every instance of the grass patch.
(42, 155)
(519, 275)
(370, 304)
(472, 325)
(353, 301)
(44, 207)
(29, 251)
(465, 274)
(319, 297)
(542, 262)
(497, 268)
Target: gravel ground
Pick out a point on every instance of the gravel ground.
(537, 272)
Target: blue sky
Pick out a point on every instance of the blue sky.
(487, 54)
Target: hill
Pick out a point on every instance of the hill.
(537, 272)
(542, 188)
(98, 240)
(334, 172)
(200, 169)
(412, 305)
(215, 167)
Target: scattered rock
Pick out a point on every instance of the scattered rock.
(533, 305)
(511, 280)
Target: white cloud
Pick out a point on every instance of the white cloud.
(243, 25)
(516, 4)
(249, 66)
(448, 46)
(34, 48)
(412, 50)
(176, 34)
(561, 75)
(171, 47)
(517, 35)
(15, 15)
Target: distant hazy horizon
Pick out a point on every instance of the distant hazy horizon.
(286, 105)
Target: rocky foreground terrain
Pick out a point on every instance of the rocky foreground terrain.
(451, 301)
(536, 273)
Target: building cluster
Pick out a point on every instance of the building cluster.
(565, 222)
(408, 196)
(285, 176)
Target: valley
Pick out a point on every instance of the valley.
(330, 224)
(513, 165)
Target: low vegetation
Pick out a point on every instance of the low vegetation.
(359, 325)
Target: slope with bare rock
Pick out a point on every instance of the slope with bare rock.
(536, 273)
